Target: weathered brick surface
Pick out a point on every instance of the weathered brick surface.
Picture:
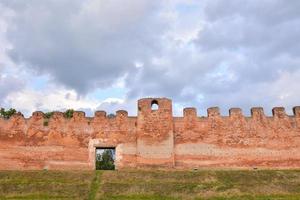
(153, 139)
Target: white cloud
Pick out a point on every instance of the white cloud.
(28, 100)
(59, 99)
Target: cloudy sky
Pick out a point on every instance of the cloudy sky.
(105, 54)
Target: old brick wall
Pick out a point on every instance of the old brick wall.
(238, 141)
(65, 143)
(153, 139)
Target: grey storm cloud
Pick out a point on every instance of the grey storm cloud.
(242, 49)
(9, 84)
(83, 44)
(240, 56)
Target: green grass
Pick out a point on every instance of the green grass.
(45, 184)
(152, 185)
(95, 185)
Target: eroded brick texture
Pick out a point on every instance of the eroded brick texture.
(153, 139)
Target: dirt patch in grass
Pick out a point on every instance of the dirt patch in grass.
(95, 185)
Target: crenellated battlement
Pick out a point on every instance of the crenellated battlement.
(77, 115)
(256, 112)
(277, 112)
(296, 111)
(153, 138)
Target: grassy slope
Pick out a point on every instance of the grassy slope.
(122, 185)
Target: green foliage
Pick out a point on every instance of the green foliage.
(48, 115)
(46, 123)
(105, 161)
(69, 113)
(6, 114)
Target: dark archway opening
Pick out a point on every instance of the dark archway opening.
(105, 158)
(154, 105)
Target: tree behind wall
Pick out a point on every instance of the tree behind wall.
(105, 160)
(6, 114)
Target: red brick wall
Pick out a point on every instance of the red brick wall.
(238, 141)
(153, 139)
